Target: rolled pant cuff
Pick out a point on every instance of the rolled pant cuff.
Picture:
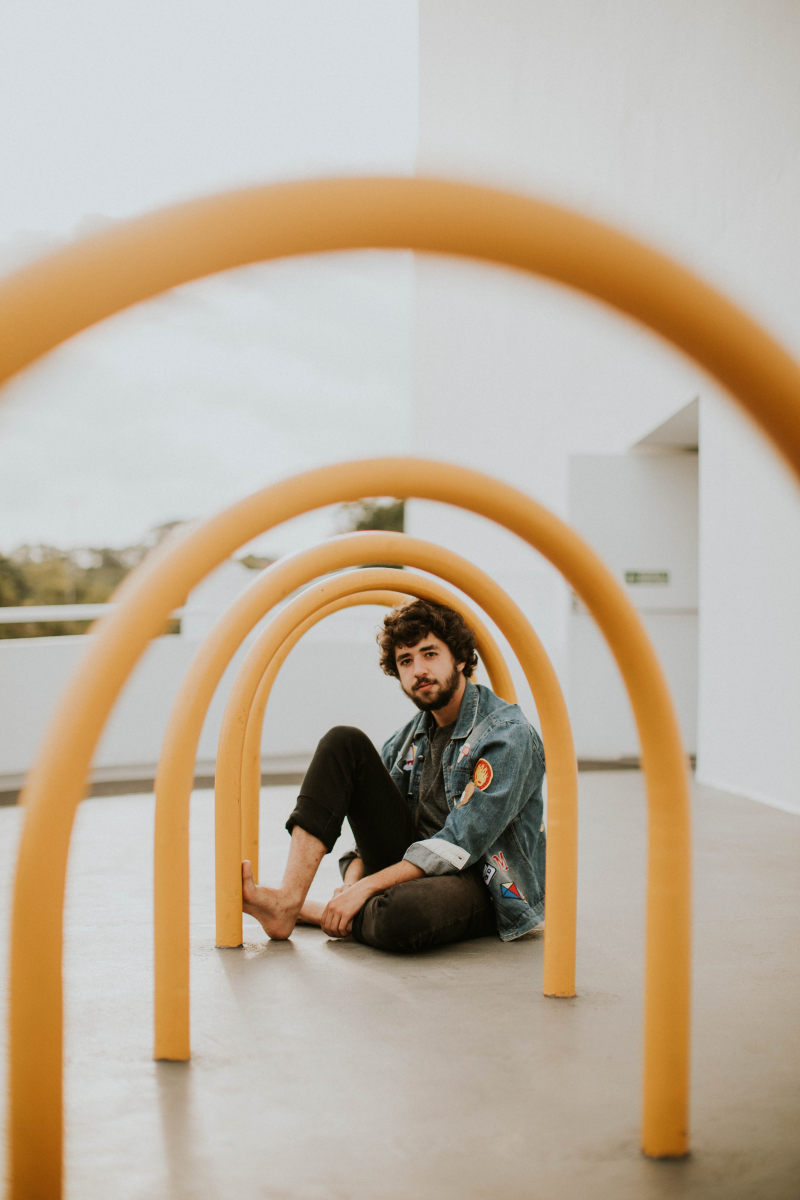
(317, 820)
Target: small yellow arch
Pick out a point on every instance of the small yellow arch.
(241, 731)
(248, 699)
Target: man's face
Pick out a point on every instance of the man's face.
(429, 675)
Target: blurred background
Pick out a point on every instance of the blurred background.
(678, 123)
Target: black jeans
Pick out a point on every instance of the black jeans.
(346, 778)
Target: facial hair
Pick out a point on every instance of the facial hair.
(442, 698)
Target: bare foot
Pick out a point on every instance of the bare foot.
(311, 913)
(270, 907)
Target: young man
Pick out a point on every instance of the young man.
(447, 820)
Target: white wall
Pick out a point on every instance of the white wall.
(639, 512)
(328, 679)
(750, 614)
(678, 122)
(513, 376)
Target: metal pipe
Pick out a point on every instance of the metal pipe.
(240, 735)
(49, 301)
(56, 784)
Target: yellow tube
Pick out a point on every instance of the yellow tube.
(246, 745)
(56, 784)
(176, 768)
(562, 814)
(249, 774)
(48, 301)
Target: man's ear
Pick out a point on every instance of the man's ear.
(460, 667)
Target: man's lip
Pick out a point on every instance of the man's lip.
(428, 683)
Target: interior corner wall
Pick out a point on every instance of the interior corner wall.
(749, 668)
(678, 123)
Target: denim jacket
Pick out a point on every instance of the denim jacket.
(493, 768)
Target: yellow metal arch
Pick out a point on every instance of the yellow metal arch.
(242, 721)
(246, 688)
(250, 751)
(49, 301)
(250, 755)
(56, 784)
(562, 812)
(179, 749)
(248, 699)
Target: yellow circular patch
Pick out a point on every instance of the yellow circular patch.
(482, 775)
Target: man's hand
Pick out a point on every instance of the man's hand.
(347, 900)
(350, 898)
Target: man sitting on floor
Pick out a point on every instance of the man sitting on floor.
(447, 819)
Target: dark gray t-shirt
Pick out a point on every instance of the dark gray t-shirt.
(432, 808)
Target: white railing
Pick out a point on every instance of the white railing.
(34, 671)
(44, 613)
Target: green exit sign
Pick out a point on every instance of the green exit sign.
(647, 576)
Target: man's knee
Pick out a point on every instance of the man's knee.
(432, 911)
(344, 737)
(396, 920)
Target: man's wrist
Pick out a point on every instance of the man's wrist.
(399, 872)
(354, 870)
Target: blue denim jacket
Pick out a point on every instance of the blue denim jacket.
(493, 768)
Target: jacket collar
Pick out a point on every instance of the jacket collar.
(467, 712)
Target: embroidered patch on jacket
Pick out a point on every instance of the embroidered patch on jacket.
(464, 751)
(466, 794)
(500, 859)
(511, 889)
(412, 753)
(488, 872)
(483, 774)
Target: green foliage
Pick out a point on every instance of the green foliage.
(256, 562)
(14, 589)
(374, 514)
(47, 575)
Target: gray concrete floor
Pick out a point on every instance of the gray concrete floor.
(323, 1069)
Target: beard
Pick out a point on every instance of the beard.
(439, 699)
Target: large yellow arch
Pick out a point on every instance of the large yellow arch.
(49, 301)
(176, 767)
(56, 783)
(45, 303)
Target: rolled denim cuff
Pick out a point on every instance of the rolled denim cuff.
(346, 859)
(435, 856)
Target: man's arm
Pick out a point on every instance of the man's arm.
(353, 872)
(476, 823)
(337, 917)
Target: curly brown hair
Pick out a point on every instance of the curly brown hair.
(410, 623)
